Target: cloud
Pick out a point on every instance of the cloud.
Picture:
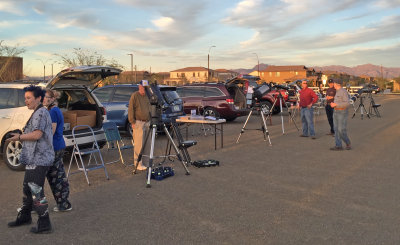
(10, 7)
(175, 23)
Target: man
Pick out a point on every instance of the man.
(139, 116)
(330, 95)
(307, 99)
(340, 103)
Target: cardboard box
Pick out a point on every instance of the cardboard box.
(80, 117)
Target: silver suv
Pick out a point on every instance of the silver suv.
(76, 97)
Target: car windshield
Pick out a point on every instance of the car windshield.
(170, 96)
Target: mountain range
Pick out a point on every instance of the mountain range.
(360, 70)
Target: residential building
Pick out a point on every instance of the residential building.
(281, 74)
(191, 75)
(224, 74)
(11, 69)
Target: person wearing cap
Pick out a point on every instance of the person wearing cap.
(307, 99)
(340, 104)
(330, 95)
(139, 116)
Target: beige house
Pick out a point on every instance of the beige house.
(224, 74)
(191, 74)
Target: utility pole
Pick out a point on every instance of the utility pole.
(258, 65)
(208, 63)
(131, 54)
(135, 74)
(44, 68)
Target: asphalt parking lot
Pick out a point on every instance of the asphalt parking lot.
(296, 191)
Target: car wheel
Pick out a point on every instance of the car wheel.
(128, 128)
(211, 112)
(266, 107)
(11, 154)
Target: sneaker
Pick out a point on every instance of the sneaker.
(302, 135)
(313, 137)
(348, 147)
(336, 148)
(19, 209)
(57, 209)
(330, 134)
(141, 168)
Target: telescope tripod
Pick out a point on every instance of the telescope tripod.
(281, 101)
(361, 107)
(373, 107)
(152, 130)
(263, 125)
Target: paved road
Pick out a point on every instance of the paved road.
(296, 191)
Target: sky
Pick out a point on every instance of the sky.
(164, 35)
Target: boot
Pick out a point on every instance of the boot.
(23, 218)
(43, 225)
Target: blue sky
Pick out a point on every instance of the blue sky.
(172, 34)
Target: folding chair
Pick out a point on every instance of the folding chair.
(114, 139)
(78, 152)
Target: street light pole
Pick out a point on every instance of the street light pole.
(44, 68)
(258, 65)
(131, 63)
(208, 63)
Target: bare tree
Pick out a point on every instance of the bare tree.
(80, 57)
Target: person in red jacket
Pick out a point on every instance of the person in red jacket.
(307, 99)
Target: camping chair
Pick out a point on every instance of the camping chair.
(114, 141)
(78, 152)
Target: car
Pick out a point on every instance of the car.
(221, 100)
(77, 103)
(115, 99)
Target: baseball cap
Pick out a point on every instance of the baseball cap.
(144, 83)
(337, 80)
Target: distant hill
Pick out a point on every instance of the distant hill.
(247, 71)
(367, 70)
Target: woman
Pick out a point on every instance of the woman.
(37, 154)
(56, 175)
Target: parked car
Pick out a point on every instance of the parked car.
(115, 99)
(221, 100)
(73, 85)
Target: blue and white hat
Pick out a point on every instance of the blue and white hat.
(144, 83)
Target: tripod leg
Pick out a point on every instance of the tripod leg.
(265, 129)
(178, 153)
(244, 126)
(153, 137)
(355, 111)
(271, 110)
(290, 115)
(141, 152)
(280, 107)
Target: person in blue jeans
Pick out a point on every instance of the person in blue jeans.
(307, 99)
(56, 175)
(340, 104)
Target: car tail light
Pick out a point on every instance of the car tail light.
(103, 110)
(229, 101)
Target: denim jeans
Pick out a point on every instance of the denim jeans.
(307, 121)
(340, 123)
